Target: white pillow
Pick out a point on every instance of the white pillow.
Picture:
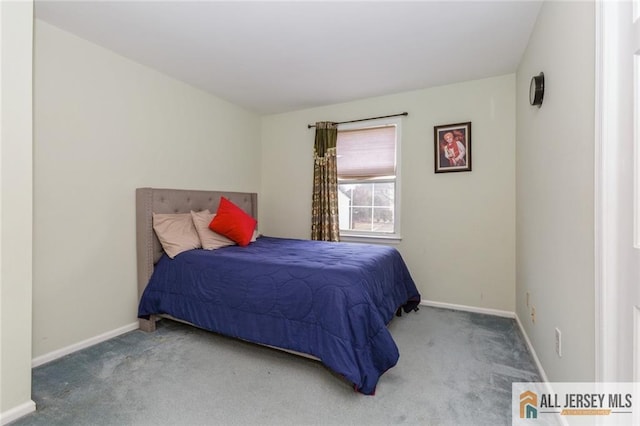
(209, 239)
(176, 233)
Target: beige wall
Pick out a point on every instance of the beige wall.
(105, 125)
(458, 229)
(16, 25)
(555, 187)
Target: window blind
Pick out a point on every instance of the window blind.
(366, 153)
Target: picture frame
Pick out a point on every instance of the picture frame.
(452, 147)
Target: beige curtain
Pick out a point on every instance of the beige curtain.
(324, 207)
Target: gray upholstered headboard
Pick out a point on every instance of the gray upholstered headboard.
(155, 200)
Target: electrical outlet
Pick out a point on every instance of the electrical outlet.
(558, 342)
(533, 314)
(528, 297)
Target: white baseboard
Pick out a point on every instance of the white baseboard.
(543, 375)
(495, 312)
(43, 359)
(17, 412)
(467, 308)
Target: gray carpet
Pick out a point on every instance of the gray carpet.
(455, 368)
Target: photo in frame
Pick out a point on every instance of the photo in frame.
(452, 144)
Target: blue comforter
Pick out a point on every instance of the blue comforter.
(330, 300)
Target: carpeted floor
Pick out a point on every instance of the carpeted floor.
(455, 368)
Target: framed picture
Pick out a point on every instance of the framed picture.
(452, 143)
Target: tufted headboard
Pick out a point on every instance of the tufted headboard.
(157, 200)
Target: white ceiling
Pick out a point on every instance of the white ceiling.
(272, 57)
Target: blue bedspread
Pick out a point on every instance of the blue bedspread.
(330, 300)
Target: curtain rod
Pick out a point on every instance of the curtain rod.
(364, 119)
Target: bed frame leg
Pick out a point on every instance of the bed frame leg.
(148, 325)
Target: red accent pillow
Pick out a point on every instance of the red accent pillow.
(232, 222)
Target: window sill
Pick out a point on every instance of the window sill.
(371, 239)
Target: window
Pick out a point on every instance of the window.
(368, 179)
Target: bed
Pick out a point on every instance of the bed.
(329, 301)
